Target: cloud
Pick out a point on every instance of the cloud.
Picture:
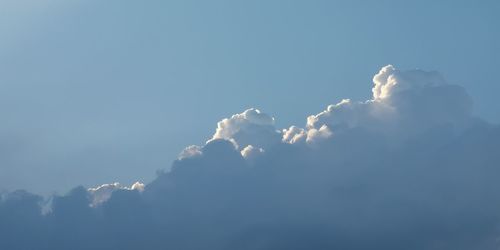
(250, 152)
(190, 151)
(103, 192)
(404, 103)
(410, 168)
(251, 127)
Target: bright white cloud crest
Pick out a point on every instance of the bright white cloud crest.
(103, 192)
(251, 127)
(404, 102)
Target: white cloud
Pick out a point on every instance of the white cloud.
(294, 134)
(103, 192)
(390, 81)
(403, 103)
(138, 186)
(190, 151)
(251, 152)
(251, 127)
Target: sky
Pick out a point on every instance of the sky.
(249, 125)
(95, 92)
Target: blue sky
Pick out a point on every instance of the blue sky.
(104, 91)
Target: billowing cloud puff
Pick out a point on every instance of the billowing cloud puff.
(389, 82)
(403, 103)
(190, 151)
(251, 152)
(410, 168)
(251, 127)
(347, 114)
(422, 97)
(294, 135)
(103, 192)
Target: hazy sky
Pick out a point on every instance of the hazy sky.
(95, 92)
(170, 124)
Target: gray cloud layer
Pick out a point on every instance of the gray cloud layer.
(411, 168)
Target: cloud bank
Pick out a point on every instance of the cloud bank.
(411, 168)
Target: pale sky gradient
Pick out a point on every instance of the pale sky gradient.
(98, 92)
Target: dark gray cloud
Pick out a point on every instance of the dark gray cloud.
(411, 168)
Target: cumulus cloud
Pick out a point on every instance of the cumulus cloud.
(410, 168)
(103, 192)
(294, 135)
(190, 151)
(250, 152)
(251, 127)
(404, 103)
